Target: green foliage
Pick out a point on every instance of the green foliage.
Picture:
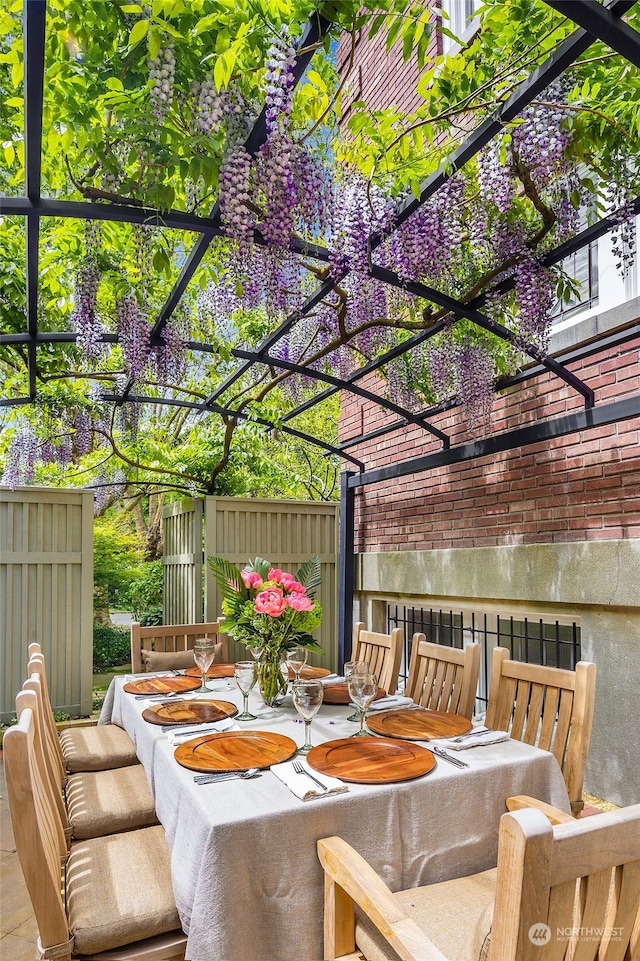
(111, 647)
(152, 618)
(145, 590)
(116, 558)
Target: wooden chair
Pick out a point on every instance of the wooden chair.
(166, 645)
(443, 678)
(112, 898)
(91, 803)
(381, 651)
(548, 707)
(559, 892)
(87, 748)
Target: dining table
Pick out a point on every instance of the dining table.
(247, 881)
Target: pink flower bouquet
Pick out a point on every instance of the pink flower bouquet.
(267, 607)
(270, 610)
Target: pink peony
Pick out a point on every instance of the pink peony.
(275, 574)
(251, 579)
(270, 601)
(290, 585)
(300, 602)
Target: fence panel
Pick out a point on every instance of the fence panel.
(182, 562)
(46, 593)
(286, 533)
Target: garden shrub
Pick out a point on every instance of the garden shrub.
(111, 647)
(152, 617)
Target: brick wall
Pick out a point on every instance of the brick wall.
(379, 78)
(576, 487)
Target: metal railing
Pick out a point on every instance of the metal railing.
(534, 639)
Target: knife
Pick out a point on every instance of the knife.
(439, 752)
(185, 735)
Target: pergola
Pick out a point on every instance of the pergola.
(593, 21)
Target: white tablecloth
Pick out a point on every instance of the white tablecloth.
(247, 881)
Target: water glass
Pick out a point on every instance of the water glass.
(355, 667)
(362, 690)
(246, 675)
(203, 653)
(307, 697)
(296, 660)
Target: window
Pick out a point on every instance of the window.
(583, 268)
(460, 16)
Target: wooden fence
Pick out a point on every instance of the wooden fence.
(241, 529)
(182, 562)
(46, 593)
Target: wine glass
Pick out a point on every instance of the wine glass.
(362, 690)
(246, 675)
(203, 653)
(257, 652)
(296, 660)
(307, 697)
(355, 667)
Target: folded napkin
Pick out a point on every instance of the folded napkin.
(390, 702)
(184, 733)
(475, 740)
(332, 679)
(302, 786)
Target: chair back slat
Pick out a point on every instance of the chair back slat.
(443, 678)
(172, 638)
(382, 652)
(546, 706)
(563, 727)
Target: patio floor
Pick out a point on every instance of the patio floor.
(18, 929)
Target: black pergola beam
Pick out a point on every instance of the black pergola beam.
(277, 362)
(523, 437)
(601, 23)
(234, 414)
(35, 13)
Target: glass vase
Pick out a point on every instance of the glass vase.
(273, 678)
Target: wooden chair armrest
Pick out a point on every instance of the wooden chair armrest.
(348, 879)
(555, 815)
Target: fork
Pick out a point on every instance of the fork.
(299, 769)
(476, 731)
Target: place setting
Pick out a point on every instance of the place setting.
(308, 696)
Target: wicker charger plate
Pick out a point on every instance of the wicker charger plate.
(338, 693)
(216, 670)
(235, 751)
(162, 685)
(371, 760)
(418, 725)
(189, 712)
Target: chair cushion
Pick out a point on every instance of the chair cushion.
(445, 912)
(119, 890)
(96, 748)
(107, 802)
(174, 660)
